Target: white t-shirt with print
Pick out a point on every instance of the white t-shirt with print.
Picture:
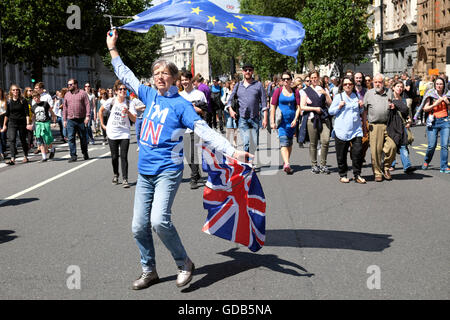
(194, 95)
(118, 126)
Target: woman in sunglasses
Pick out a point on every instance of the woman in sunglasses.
(118, 130)
(288, 101)
(347, 108)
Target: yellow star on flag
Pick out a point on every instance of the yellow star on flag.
(239, 17)
(245, 28)
(249, 22)
(213, 20)
(196, 10)
(230, 26)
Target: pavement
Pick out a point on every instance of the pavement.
(65, 233)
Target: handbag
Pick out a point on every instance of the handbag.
(278, 117)
(410, 136)
(408, 130)
(235, 103)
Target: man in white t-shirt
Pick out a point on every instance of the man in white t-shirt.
(40, 87)
(196, 97)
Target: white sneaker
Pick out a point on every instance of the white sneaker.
(185, 273)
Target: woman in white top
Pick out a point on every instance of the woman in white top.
(118, 130)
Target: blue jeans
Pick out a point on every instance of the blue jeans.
(153, 201)
(404, 156)
(72, 127)
(249, 128)
(441, 126)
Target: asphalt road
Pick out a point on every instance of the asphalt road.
(324, 239)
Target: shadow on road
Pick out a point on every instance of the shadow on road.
(327, 239)
(16, 202)
(6, 236)
(242, 262)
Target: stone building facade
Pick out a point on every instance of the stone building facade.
(83, 68)
(395, 30)
(177, 48)
(433, 36)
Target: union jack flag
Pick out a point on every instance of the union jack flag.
(235, 201)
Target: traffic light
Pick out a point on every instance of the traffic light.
(33, 81)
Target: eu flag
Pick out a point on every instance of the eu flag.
(282, 35)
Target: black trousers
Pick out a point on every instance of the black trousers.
(193, 160)
(21, 126)
(342, 148)
(114, 146)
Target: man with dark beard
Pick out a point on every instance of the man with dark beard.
(76, 114)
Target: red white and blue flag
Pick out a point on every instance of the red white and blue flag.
(235, 201)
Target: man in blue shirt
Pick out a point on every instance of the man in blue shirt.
(252, 100)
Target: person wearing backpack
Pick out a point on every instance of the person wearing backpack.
(118, 130)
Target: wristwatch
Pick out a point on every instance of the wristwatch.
(111, 49)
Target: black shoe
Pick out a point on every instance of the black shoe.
(86, 156)
(72, 159)
(52, 153)
(194, 184)
(410, 170)
(43, 160)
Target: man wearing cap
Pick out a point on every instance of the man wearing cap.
(252, 100)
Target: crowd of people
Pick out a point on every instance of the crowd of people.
(283, 105)
(357, 111)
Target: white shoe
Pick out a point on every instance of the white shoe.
(185, 273)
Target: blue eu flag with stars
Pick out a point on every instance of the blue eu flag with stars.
(282, 35)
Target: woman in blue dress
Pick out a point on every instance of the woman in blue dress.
(289, 103)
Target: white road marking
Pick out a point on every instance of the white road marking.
(43, 183)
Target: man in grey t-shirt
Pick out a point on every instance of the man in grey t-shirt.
(377, 103)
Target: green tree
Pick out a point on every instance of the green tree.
(266, 61)
(222, 53)
(35, 32)
(336, 31)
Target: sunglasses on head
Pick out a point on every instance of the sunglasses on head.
(248, 70)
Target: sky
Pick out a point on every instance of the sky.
(228, 5)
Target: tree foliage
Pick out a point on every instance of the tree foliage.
(222, 53)
(266, 61)
(336, 31)
(35, 32)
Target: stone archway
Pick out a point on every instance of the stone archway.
(422, 61)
